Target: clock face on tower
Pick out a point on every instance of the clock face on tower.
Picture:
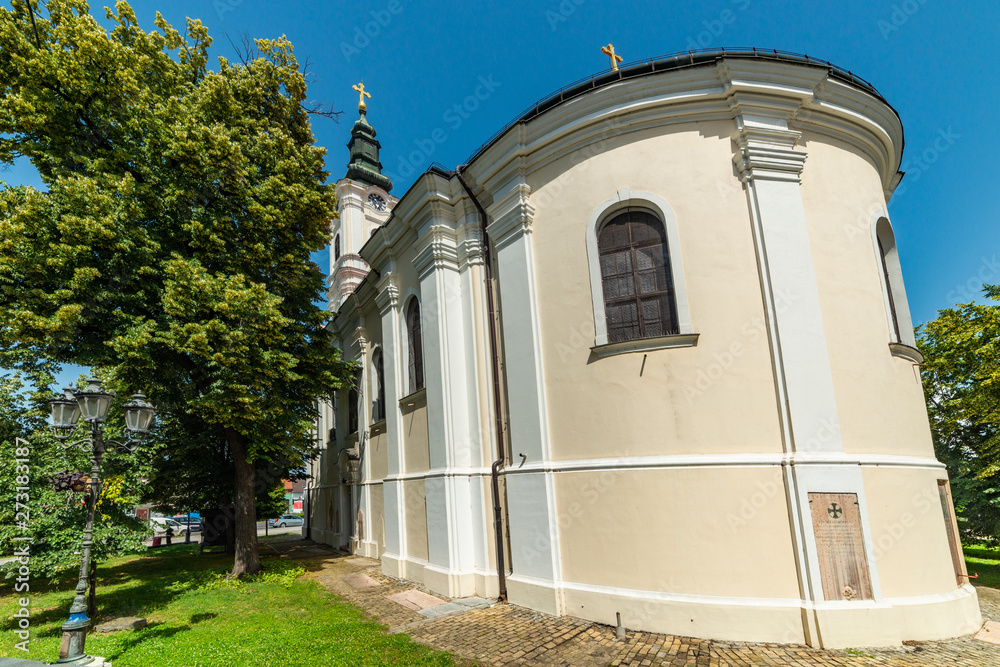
(376, 202)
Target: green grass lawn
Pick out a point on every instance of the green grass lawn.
(984, 560)
(197, 619)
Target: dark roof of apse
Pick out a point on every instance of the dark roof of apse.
(672, 62)
(650, 66)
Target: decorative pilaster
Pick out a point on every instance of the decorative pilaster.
(533, 522)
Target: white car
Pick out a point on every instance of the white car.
(286, 520)
(161, 523)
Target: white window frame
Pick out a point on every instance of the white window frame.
(623, 199)
(906, 346)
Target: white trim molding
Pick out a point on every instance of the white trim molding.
(625, 198)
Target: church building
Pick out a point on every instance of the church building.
(647, 353)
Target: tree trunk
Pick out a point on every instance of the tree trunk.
(92, 594)
(246, 560)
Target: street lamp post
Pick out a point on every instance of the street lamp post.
(91, 404)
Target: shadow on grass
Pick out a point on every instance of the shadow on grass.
(139, 586)
(155, 631)
(135, 587)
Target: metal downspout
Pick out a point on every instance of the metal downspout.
(497, 402)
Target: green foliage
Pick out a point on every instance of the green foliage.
(962, 385)
(172, 245)
(55, 520)
(984, 561)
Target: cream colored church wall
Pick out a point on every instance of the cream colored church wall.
(880, 400)
(603, 407)
(376, 524)
(908, 530)
(678, 531)
(416, 518)
(378, 451)
(416, 451)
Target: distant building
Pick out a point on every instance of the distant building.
(294, 495)
(702, 393)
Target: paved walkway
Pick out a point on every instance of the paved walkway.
(511, 635)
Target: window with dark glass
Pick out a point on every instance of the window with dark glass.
(336, 247)
(415, 346)
(378, 409)
(639, 299)
(352, 405)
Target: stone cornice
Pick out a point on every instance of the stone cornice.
(361, 339)
(808, 97)
(437, 249)
(766, 150)
(387, 296)
(511, 213)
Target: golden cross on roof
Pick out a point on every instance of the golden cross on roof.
(362, 95)
(609, 50)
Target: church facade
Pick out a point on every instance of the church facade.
(648, 353)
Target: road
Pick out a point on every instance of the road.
(196, 536)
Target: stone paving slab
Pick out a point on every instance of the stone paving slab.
(360, 580)
(415, 599)
(990, 633)
(121, 623)
(459, 606)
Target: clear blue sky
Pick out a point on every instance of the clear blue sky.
(934, 61)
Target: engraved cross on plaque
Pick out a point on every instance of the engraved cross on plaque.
(834, 510)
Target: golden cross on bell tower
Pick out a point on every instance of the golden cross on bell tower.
(362, 107)
(609, 50)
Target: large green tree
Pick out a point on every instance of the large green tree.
(173, 243)
(962, 384)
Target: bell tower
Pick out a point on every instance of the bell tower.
(363, 205)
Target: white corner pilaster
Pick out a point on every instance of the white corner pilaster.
(533, 517)
(387, 300)
(451, 395)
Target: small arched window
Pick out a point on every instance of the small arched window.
(378, 406)
(336, 247)
(891, 277)
(415, 346)
(639, 299)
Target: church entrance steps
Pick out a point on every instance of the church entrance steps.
(504, 634)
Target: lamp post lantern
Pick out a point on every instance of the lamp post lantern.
(91, 404)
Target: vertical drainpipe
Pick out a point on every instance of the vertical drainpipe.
(497, 402)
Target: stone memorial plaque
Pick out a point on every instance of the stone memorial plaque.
(842, 563)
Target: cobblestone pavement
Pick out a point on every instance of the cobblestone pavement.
(512, 635)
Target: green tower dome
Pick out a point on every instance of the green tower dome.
(364, 165)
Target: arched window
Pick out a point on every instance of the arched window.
(415, 346)
(636, 277)
(336, 247)
(353, 399)
(897, 310)
(378, 406)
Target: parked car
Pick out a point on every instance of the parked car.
(195, 522)
(286, 520)
(161, 523)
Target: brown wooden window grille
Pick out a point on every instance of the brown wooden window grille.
(353, 398)
(888, 291)
(378, 409)
(415, 346)
(639, 300)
